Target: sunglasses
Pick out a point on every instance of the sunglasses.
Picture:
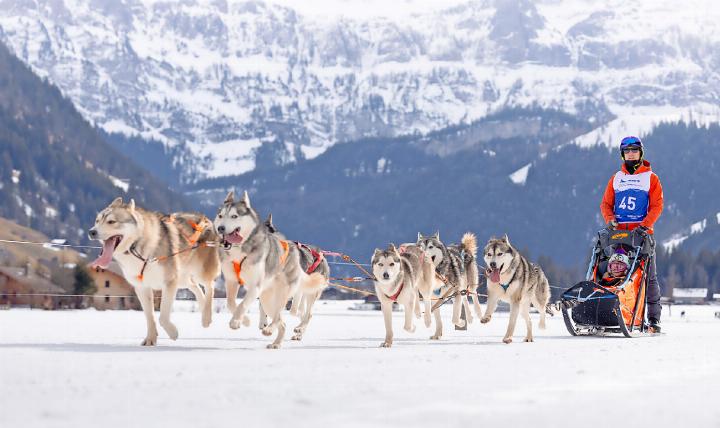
(631, 150)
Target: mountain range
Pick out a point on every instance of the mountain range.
(56, 170)
(491, 116)
(230, 86)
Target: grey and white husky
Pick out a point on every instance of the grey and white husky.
(458, 265)
(265, 263)
(155, 252)
(397, 278)
(513, 279)
(311, 260)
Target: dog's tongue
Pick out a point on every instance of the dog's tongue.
(103, 261)
(234, 238)
(494, 275)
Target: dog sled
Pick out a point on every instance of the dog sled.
(603, 305)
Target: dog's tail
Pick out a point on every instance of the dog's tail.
(313, 283)
(469, 243)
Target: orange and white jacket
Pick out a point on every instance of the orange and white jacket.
(633, 199)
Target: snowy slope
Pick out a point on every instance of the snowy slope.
(85, 368)
(702, 230)
(226, 76)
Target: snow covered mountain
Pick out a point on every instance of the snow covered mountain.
(702, 234)
(224, 82)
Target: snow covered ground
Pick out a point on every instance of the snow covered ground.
(85, 368)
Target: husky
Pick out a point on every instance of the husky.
(427, 286)
(397, 278)
(311, 260)
(266, 264)
(159, 252)
(456, 264)
(511, 278)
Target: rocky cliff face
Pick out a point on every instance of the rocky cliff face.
(233, 85)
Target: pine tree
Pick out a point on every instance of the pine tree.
(84, 283)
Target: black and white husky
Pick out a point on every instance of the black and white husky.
(457, 264)
(513, 279)
(312, 261)
(265, 263)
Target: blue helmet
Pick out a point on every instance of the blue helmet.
(631, 142)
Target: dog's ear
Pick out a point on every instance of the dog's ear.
(269, 223)
(420, 237)
(131, 205)
(116, 203)
(437, 235)
(246, 199)
(377, 253)
(391, 247)
(506, 239)
(230, 198)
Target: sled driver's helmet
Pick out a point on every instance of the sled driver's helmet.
(618, 264)
(631, 143)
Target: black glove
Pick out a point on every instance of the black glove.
(612, 224)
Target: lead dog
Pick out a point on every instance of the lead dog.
(397, 278)
(266, 264)
(511, 278)
(135, 238)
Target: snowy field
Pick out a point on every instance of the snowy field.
(85, 368)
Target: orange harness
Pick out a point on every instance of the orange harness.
(191, 240)
(237, 264)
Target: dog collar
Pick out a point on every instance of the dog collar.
(395, 296)
(504, 286)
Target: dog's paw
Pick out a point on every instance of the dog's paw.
(485, 320)
(507, 340)
(171, 331)
(386, 344)
(149, 341)
(460, 323)
(246, 321)
(234, 324)
(529, 339)
(267, 331)
(410, 329)
(435, 337)
(298, 337)
(274, 346)
(206, 322)
(298, 329)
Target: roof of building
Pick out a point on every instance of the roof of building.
(696, 293)
(36, 282)
(114, 268)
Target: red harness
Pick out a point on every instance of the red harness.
(395, 296)
(317, 257)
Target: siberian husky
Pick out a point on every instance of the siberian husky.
(159, 252)
(511, 278)
(397, 278)
(266, 264)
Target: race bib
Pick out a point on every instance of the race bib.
(632, 196)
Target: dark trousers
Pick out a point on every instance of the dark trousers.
(653, 291)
